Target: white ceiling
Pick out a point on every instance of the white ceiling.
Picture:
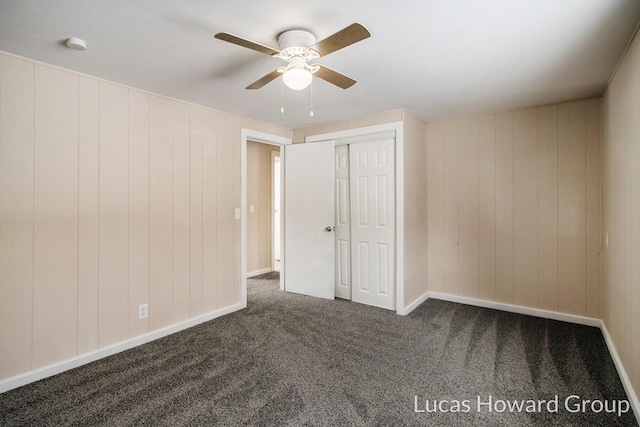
(438, 59)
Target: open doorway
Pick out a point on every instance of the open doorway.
(262, 209)
(244, 212)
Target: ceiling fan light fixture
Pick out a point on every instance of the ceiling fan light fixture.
(298, 48)
(297, 78)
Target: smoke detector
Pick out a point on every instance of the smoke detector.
(76, 43)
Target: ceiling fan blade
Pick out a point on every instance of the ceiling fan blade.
(246, 43)
(264, 80)
(343, 38)
(334, 77)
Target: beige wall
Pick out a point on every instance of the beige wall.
(514, 207)
(621, 261)
(259, 194)
(110, 198)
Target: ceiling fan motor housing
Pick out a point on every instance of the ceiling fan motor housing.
(296, 38)
(294, 48)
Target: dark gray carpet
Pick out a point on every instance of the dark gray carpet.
(295, 360)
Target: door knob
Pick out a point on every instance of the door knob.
(329, 229)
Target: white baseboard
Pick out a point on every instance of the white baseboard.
(626, 381)
(83, 359)
(511, 308)
(546, 314)
(259, 272)
(408, 309)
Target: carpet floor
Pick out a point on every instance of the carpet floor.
(294, 360)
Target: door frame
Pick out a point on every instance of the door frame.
(353, 135)
(247, 135)
(275, 154)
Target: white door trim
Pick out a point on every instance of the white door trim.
(366, 138)
(398, 128)
(265, 138)
(275, 154)
(357, 132)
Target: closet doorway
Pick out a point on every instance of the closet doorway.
(340, 234)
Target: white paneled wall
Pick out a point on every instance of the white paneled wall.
(55, 195)
(621, 177)
(17, 157)
(548, 202)
(486, 208)
(138, 242)
(88, 213)
(111, 197)
(196, 232)
(113, 229)
(514, 207)
(504, 208)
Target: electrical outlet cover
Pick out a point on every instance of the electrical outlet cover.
(143, 311)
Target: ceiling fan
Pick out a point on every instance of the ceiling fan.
(298, 47)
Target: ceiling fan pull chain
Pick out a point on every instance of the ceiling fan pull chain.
(282, 96)
(311, 112)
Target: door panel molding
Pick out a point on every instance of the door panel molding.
(372, 175)
(309, 219)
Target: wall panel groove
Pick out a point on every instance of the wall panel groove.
(56, 216)
(113, 301)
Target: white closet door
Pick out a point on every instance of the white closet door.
(372, 176)
(308, 211)
(343, 223)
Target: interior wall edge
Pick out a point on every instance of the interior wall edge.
(621, 214)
